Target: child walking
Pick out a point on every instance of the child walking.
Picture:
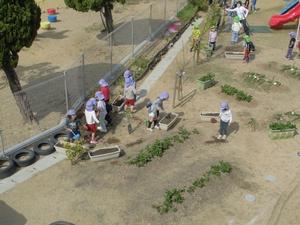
(152, 117)
(91, 119)
(225, 120)
(212, 39)
(129, 94)
(248, 47)
(289, 54)
(235, 29)
(72, 125)
(104, 89)
(101, 111)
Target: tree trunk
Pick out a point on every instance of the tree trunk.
(102, 20)
(20, 97)
(108, 19)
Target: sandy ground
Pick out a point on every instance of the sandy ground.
(113, 192)
(59, 49)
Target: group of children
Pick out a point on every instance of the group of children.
(98, 109)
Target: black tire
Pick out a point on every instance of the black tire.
(61, 223)
(29, 157)
(59, 135)
(44, 148)
(7, 168)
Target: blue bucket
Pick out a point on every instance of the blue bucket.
(52, 18)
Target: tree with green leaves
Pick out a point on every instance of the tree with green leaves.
(19, 22)
(105, 8)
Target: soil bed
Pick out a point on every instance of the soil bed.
(168, 119)
(103, 151)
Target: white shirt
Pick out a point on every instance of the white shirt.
(241, 12)
(226, 116)
(101, 106)
(90, 117)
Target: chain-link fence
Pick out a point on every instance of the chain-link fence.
(107, 59)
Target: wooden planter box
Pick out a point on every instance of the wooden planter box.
(281, 134)
(234, 55)
(104, 153)
(208, 116)
(206, 84)
(168, 121)
(118, 103)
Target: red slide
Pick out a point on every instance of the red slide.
(277, 21)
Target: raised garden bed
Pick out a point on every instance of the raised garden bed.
(281, 130)
(206, 81)
(60, 146)
(235, 52)
(104, 153)
(168, 121)
(209, 116)
(118, 103)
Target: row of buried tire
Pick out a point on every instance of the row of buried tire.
(28, 155)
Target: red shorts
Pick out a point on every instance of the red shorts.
(91, 128)
(129, 102)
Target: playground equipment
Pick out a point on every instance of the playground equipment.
(288, 14)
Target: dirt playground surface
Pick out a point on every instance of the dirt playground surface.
(114, 192)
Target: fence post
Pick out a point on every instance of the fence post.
(132, 35)
(2, 145)
(177, 7)
(150, 22)
(111, 52)
(83, 77)
(165, 10)
(66, 91)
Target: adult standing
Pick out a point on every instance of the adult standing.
(242, 13)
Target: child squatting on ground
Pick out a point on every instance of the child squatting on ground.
(225, 120)
(154, 109)
(104, 89)
(289, 54)
(129, 91)
(72, 125)
(91, 119)
(101, 111)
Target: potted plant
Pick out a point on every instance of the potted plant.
(206, 81)
(279, 130)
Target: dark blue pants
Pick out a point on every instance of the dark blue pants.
(223, 127)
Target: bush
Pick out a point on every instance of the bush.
(201, 4)
(282, 126)
(187, 13)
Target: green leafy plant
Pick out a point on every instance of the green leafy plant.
(175, 195)
(260, 80)
(240, 95)
(74, 150)
(200, 4)
(158, 148)
(282, 126)
(229, 90)
(139, 66)
(208, 77)
(187, 13)
(291, 70)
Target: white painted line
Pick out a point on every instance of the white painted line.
(29, 171)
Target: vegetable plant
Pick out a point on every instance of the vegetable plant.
(208, 77)
(282, 125)
(291, 70)
(260, 80)
(74, 150)
(175, 195)
(158, 148)
(239, 95)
